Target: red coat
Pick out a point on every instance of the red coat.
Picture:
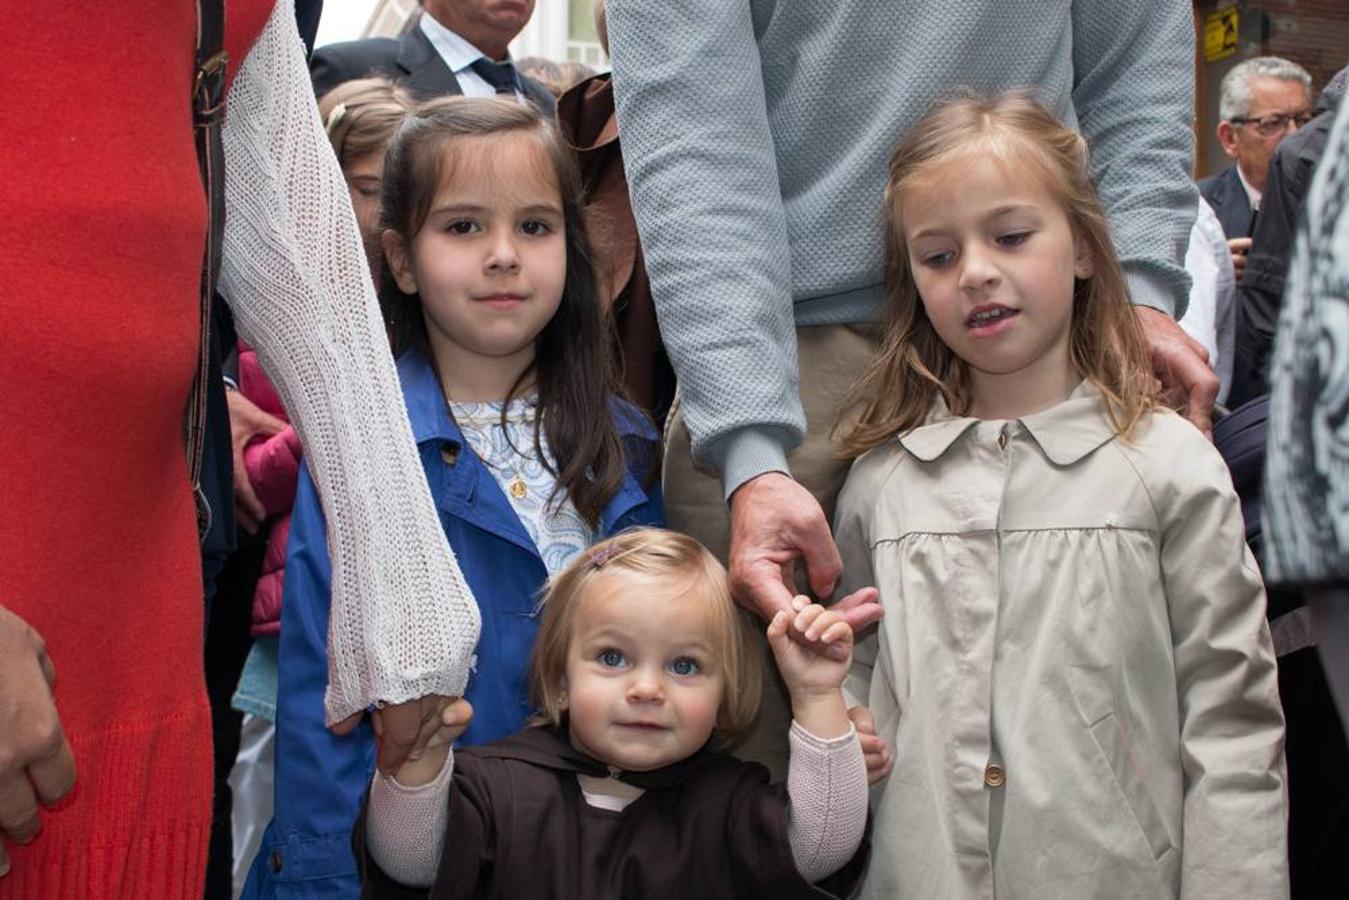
(100, 261)
(273, 465)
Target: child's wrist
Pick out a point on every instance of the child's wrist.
(415, 773)
(821, 711)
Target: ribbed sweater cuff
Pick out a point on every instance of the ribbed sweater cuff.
(1146, 290)
(745, 454)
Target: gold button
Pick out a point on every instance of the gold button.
(994, 776)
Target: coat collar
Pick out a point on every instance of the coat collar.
(431, 423)
(430, 416)
(1065, 433)
(427, 410)
(586, 114)
(549, 747)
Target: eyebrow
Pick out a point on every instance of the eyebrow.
(463, 208)
(613, 635)
(996, 213)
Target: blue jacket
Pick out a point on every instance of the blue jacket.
(321, 777)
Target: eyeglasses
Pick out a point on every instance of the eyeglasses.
(1274, 123)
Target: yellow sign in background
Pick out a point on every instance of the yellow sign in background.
(1220, 34)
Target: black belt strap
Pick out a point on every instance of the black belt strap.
(208, 107)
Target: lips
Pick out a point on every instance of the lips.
(501, 302)
(644, 726)
(990, 318)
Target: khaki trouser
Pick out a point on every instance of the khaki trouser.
(831, 358)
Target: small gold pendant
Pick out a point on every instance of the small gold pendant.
(518, 488)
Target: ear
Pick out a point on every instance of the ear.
(1227, 136)
(1084, 263)
(400, 261)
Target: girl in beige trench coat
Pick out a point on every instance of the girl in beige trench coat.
(1074, 671)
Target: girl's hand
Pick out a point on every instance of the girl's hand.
(874, 750)
(422, 766)
(814, 678)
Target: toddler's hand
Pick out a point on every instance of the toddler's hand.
(813, 648)
(799, 638)
(422, 767)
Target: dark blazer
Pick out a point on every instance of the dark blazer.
(1290, 177)
(1228, 198)
(410, 60)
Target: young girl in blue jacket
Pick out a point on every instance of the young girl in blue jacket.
(530, 455)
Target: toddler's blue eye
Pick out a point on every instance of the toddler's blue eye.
(611, 658)
(685, 666)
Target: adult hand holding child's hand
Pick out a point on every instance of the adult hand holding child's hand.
(421, 766)
(775, 522)
(404, 731)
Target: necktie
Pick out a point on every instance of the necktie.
(501, 76)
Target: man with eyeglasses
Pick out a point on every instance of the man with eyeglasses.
(1260, 102)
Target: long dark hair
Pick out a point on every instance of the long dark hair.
(572, 369)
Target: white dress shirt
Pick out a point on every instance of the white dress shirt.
(1252, 194)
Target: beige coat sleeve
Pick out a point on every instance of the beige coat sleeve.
(1235, 819)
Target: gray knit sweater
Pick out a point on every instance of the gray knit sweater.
(756, 135)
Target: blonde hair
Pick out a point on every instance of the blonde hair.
(662, 554)
(363, 115)
(914, 367)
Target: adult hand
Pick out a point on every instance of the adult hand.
(247, 421)
(423, 768)
(1181, 364)
(1240, 249)
(775, 522)
(36, 764)
(874, 751)
(404, 729)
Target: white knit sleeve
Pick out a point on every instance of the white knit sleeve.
(405, 828)
(827, 787)
(403, 622)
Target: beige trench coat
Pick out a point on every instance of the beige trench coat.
(1074, 671)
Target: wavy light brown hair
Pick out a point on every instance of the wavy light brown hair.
(1106, 343)
(362, 116)
(573, 368)
(671, 557)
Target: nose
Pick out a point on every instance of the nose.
(503, 257)
(645, 687)
(977, 269)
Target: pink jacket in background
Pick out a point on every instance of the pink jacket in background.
(273, 466)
